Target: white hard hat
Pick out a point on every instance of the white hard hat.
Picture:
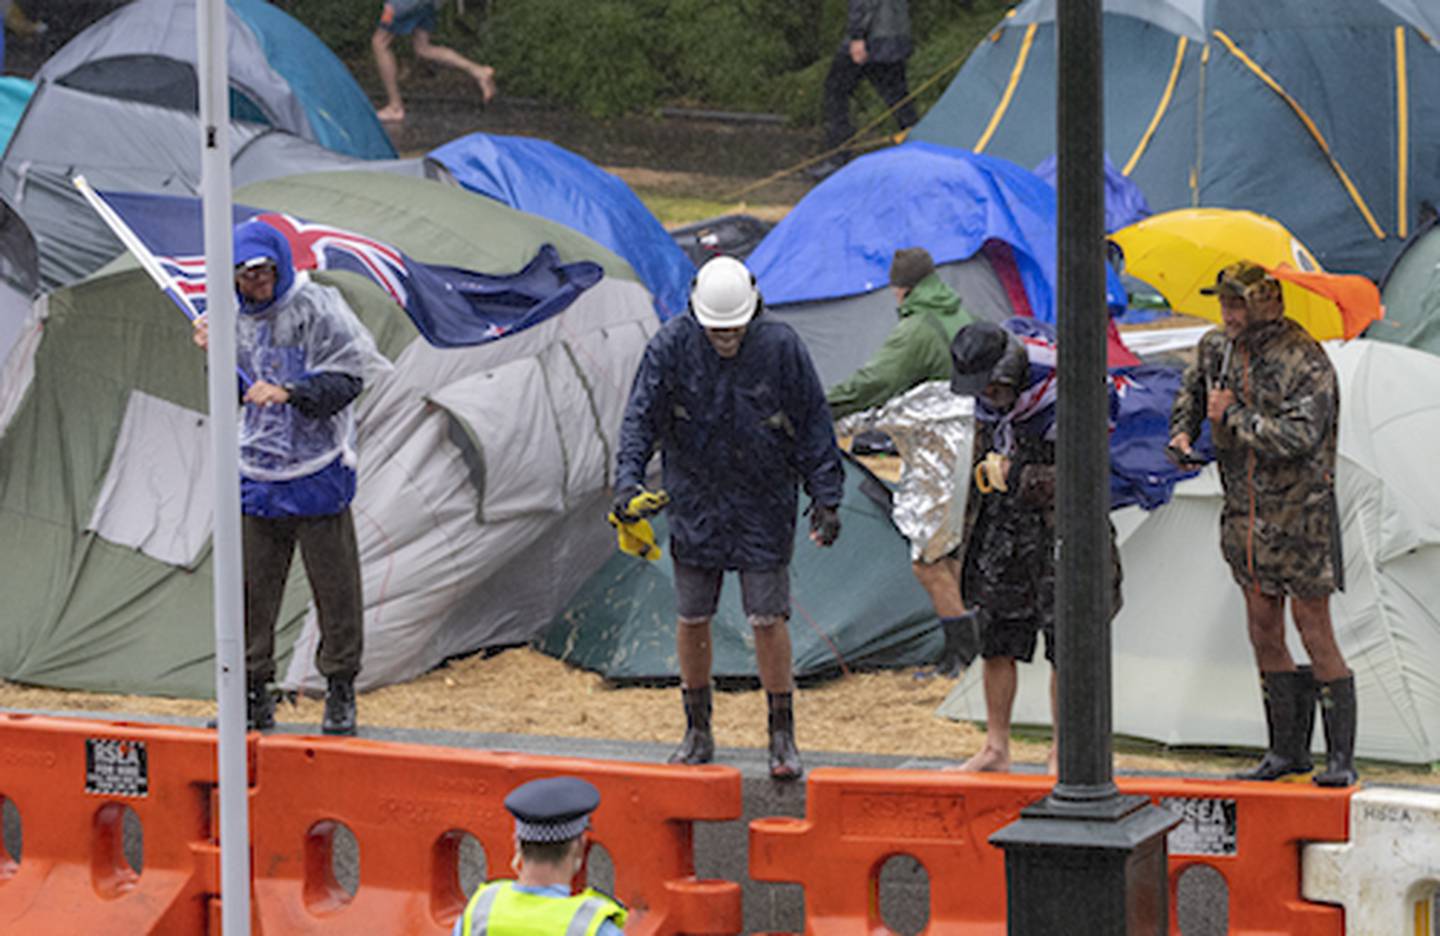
(724, 294)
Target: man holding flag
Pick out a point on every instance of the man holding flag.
(307, 357)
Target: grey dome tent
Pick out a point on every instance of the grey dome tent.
(19, 277)
(1410, 293)
(281, 74)
(1319, 113)
(129, 146)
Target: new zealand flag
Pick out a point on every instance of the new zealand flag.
(451, 306)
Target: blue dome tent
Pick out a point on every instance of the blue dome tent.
(989, 224)
(541, 178)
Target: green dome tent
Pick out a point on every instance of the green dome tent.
(484, 470)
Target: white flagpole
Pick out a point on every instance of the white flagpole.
(233, 772)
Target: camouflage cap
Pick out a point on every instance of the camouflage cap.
(1237, 280)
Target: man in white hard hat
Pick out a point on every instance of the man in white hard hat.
(732, 402)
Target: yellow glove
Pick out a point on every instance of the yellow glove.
(636, 536)
(636, 539)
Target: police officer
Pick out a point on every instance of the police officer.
(1273, 402)
(552, 819)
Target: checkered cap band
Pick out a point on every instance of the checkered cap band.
(551, 831)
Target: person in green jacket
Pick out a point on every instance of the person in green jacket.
(917, 351)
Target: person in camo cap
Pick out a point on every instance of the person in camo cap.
(1270, 393)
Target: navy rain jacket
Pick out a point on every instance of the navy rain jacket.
(735, 436)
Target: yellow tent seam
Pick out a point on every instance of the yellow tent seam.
(1315, 133)
(1160, 109)
(1402, 112)
(1015, 74)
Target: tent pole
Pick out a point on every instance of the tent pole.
(233, 772)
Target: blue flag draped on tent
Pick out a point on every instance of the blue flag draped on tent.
(1140, 471)
(451, 307)
(1141, 398)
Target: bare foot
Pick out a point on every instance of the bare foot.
(986, 760)
(485, 75)
(390, 113)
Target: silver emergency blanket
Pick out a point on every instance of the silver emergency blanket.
(309, 330)
(934, 432)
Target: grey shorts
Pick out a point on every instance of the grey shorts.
(763, 592)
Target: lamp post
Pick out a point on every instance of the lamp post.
(1085, 859)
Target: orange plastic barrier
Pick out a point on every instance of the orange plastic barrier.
(408, 807)
(1251, 833)
(70, 781)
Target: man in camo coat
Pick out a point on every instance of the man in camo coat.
(1272, 399)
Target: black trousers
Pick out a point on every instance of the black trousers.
(332, 564)
(888, 79)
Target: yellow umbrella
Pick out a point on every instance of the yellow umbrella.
(1179, 252)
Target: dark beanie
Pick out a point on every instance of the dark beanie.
(910, 266)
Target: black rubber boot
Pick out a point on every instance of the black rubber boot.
(259, 707)
(698, 745)
(784, 755)
(1290, 721)
(962, 644)
(1337, 710)
(339, 707)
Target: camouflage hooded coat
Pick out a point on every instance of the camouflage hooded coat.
(1279, 528)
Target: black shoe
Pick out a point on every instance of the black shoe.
(1290, 722)
(339, 707)
(1337, 711)
(698, 745)
(784, 755)
(962, 644)
(259, 708)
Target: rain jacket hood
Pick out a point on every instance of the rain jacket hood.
(255, 238)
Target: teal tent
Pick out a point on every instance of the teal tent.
(1319, 113)
(1411, 294)
(856, 605)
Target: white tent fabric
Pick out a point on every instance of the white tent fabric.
(1183, 672)
(158, 494)
(509, 432)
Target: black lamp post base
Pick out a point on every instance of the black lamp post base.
(1087, 868)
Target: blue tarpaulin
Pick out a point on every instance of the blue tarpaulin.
(538, 177)
(1124, 202)
(839, 240)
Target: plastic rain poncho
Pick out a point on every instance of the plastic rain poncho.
(307, 329)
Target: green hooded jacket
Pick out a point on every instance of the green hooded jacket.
(916, 350)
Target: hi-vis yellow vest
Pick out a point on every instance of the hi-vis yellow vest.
(498, 909)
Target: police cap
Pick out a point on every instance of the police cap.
(556, 809)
